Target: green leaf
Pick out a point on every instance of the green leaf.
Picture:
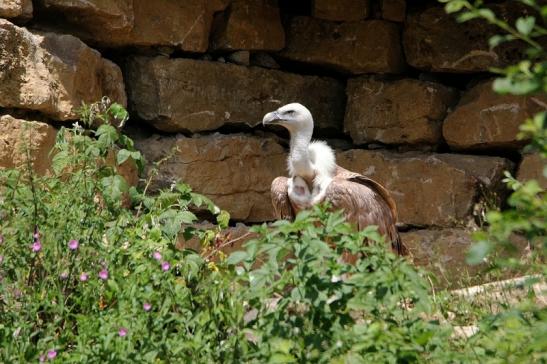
(525, 25)
(60, 161)
(187, 217)
(350, 358)
(118, 112)
(487, 14)
(136, 155)
(113, 187)
(454, 6)
(281, 345)
(108, 135)
(279, 358)
(507, 86)
(463, 17)
(172, 220)
(122, 156)
(223, 219)
(496, 40)
(478, 252)
(236, 257)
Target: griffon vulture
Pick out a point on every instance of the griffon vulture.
(314, 177)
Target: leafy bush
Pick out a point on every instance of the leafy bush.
(527, 212)
(518, 333)
(90, 270)
(87, 279)
(308, 303)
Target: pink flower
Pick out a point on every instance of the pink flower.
(42, 358)
(146, 306)
(103, 274)
(83, 277)
(165, 266)
(51, 354)
(73, 244)
(157, 255)
(36, 234)
(122, 331)
(63, 275)
(36, 246)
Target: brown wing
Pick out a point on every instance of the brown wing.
(280, 199)
(381, 190)
(365, 202)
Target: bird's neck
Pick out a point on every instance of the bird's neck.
(299, 155)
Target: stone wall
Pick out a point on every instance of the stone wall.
(399, 88)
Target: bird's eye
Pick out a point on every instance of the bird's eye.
(290, 112)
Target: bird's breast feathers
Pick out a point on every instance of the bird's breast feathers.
(322, 158)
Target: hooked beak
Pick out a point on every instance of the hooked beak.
(271, 118)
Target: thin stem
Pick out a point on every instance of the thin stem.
(34, 200)
(225, 244)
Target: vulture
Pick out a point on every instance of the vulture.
(314, 177)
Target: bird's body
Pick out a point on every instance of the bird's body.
(314, 177)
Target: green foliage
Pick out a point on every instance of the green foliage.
(518, 333)
(90, 270)
(86, 276)
(309, 304)
(529, 75)
(527, 212)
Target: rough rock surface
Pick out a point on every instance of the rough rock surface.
(95, 16)
(434, 41)
(263, 59)
(235, 171)
(394, 10)
(340, 10)
(19, 9)
(218, 5)
(53, 73)
(242, 58)
(249, 25)
(484, 119)
(442, 252)
(19, 136)
(532, 167)
(404, 111)
(182, 24)
(430, 189)
(190, 95)
(366, 46)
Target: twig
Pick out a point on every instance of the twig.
(226, 243)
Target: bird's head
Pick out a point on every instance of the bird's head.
(295, 117)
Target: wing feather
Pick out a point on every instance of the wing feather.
(280, 199)
(365, 202)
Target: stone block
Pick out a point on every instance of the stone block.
(22, 138)
(190, 95)
(484, 119)
(533, 166)
(249, 25)
(435, 41)
(370, 46)
(53, 73)
(404, 111)
(341, 10)
(431, 189)
(235, 170)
